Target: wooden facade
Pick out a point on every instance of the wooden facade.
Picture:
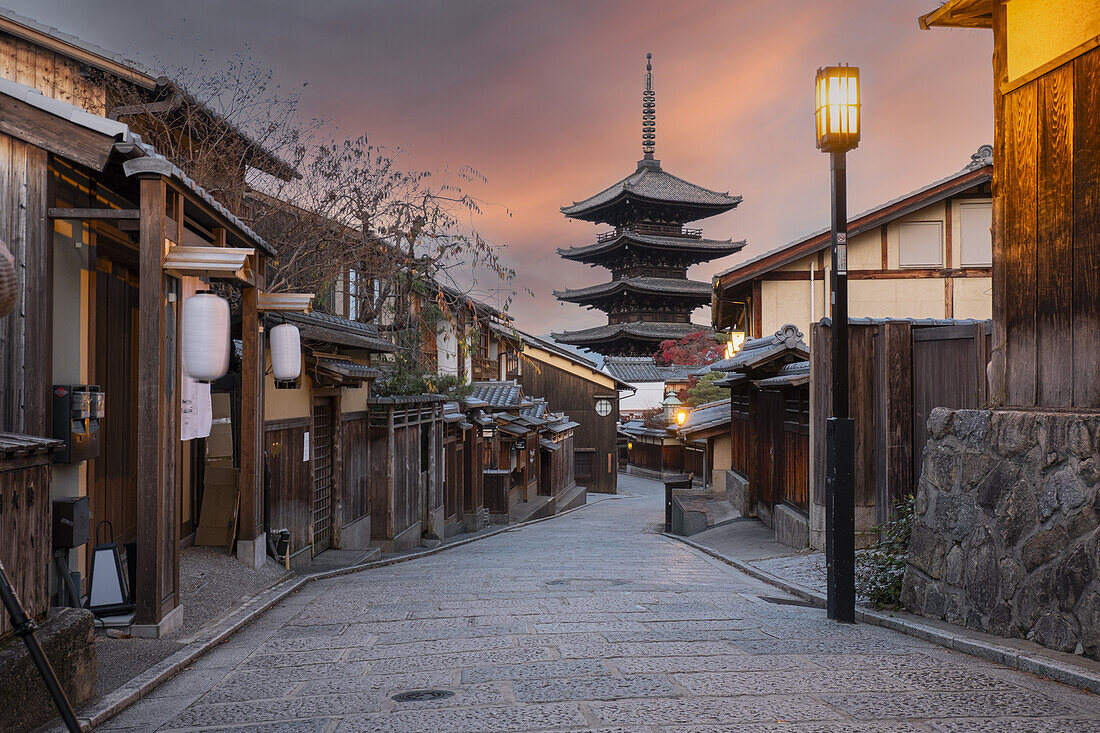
(571, 385)
(1046, 184)
(96, 218)
(406, 466)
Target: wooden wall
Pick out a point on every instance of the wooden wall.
(1047, 235)
(25, 335)
(575, 396)
(900, 373)
(56, 76)
(25, 532)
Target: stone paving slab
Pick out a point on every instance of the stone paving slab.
(587, 623)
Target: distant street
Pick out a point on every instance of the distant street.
(590, 621)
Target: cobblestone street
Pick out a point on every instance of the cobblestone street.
(591, 621)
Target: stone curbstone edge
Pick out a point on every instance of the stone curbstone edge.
(1013, 658)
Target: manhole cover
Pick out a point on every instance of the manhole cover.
(788, 601)
(421, 695)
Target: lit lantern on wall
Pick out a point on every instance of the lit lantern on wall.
(205, 336)
(286, 352)
(737, 338)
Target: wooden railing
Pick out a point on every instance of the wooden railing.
(660, 230)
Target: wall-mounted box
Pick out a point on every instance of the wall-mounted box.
(77, 410)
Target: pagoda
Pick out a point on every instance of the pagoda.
(649, 298)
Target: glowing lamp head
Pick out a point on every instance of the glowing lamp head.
(734, 344)
(681, 417)
(836, 112)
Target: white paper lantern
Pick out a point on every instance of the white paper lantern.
(205, 337)
(286, 352)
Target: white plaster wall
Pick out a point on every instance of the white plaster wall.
(648, 396)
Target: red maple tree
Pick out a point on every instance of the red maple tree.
(694, 349)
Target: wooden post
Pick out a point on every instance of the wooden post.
(158, 611)
(251, 541)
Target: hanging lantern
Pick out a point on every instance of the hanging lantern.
(108, 594)
(286, 352)
(205, 336)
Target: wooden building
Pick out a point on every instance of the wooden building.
(110, 238)
(769, 473)
(648, 251)
(315, 437)
(708, 426)
(923, 255)
(405, 436)
(572, 383)
(1046, 182)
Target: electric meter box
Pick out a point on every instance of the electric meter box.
(77, 411)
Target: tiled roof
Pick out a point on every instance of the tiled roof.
(536, 409)
(653, 285)
(639, 329)
(757, 351)
(346, 368)
(633, 368)
(652, 182)
(709, 248)
(335, 330)
(977, 165)
(498, 395)
(789, 375)
(705, 417)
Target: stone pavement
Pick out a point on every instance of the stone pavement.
(591, 621)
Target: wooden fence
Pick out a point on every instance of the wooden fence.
(25, 531)
(899, 370)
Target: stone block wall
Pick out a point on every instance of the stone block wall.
(1005, 536)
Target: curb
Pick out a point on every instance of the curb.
(1065, 672)
(138, 687)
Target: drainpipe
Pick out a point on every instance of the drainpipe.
(166, 105)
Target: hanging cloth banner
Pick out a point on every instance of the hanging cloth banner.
(195, 408)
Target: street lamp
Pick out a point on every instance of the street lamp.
(837, 123)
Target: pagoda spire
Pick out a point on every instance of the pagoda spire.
(649, 111)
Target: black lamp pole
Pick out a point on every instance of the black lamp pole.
(840, 429)
(838, 128)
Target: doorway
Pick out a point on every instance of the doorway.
(322, 505)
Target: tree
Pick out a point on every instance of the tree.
(694, 349)
(702, 390)
(374, 241)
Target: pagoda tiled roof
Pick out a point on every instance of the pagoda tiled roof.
(652, 182)
(648, 285)
(703, 249)
(643, 330)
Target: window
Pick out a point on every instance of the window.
(976, 248)
(582, 462)
(920, 244)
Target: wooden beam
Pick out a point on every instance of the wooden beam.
(157, 573)
(94, 214)
(885, 248)
(54, 134)
(252, 370)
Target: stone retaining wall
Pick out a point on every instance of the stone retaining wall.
(1005, 536)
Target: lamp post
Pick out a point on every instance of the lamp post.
(837, 123)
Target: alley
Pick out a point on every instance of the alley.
(590, 621)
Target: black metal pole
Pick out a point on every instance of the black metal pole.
(24, 628)
(840, 433)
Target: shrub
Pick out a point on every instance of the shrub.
(880, 569)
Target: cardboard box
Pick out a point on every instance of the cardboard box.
(220, 499)
(220, 442)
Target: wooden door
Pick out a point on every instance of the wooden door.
(113, 496)
(323, 479)
(768, 426)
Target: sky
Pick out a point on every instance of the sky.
(543, 99)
